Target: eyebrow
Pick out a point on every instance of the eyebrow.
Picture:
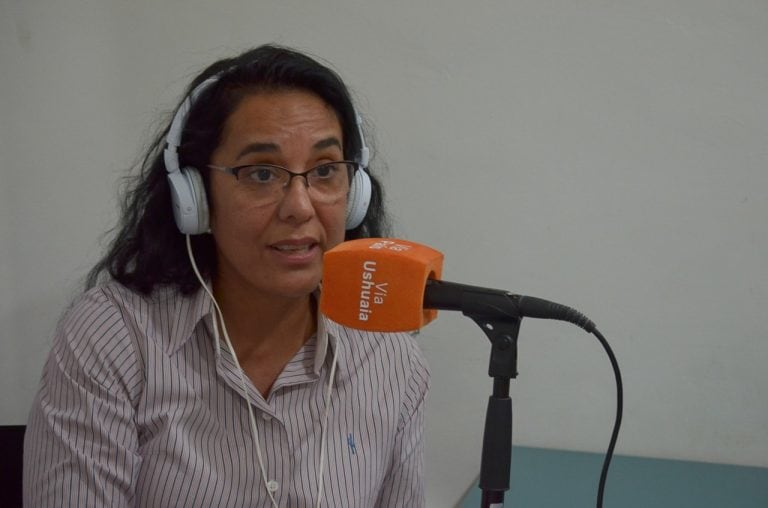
(274, 148)
(327, 142)
(258, 148)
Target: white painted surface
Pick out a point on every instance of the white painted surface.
(607, 155)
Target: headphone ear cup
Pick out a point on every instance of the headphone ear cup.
(198, 188)
(359, 199)
(190, 206)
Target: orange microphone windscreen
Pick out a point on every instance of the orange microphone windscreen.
(378, 284)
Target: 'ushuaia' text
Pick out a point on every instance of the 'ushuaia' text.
(371, 293)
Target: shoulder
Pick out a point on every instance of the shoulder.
(97, 313)
(407, 344)
(397, 354)
(103, 312)
(93, 344)
(165, 318)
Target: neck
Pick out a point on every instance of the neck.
(263, 326)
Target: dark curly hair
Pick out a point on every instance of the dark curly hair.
(147, 249)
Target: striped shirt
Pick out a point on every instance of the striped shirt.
(138, 406)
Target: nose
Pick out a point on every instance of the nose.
(296, 205)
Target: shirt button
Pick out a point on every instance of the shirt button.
(266, 417)
(272, 486)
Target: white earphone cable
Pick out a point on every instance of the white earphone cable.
(323, 428)
(323, 425)
(237, 363)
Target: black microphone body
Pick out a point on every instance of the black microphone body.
(497, 303)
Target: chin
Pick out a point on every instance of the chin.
(296, 289)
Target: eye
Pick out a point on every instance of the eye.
(260, 174)
(326, 171)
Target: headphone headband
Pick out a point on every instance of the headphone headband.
(173, 139)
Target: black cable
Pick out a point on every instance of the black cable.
(617, 422)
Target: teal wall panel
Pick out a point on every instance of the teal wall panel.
(555, 478)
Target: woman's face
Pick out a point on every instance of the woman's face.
(275, 250)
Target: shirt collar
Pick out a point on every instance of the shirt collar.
(330, 340)
(197, 307)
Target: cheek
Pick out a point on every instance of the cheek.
(240, 224)
(333, 219)
(234, 218)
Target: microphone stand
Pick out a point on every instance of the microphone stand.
(497, 437)
(498, 315)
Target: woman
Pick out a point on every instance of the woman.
(200, 372)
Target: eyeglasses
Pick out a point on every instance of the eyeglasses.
(326, 183)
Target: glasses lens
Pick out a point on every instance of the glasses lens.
(264, 181)
(327, 182)
(263, 176)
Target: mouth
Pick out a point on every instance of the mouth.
(301, 249)
(294, 249)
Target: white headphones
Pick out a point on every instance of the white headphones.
(190, 205)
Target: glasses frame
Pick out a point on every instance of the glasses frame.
(235, 170)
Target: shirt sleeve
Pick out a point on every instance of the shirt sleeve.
(81, 442)
(404, 481)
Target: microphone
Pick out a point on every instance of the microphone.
(392, 285)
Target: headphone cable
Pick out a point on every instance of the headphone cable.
(255, 432)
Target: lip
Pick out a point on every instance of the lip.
(296, 251)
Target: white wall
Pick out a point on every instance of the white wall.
(608, 155)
